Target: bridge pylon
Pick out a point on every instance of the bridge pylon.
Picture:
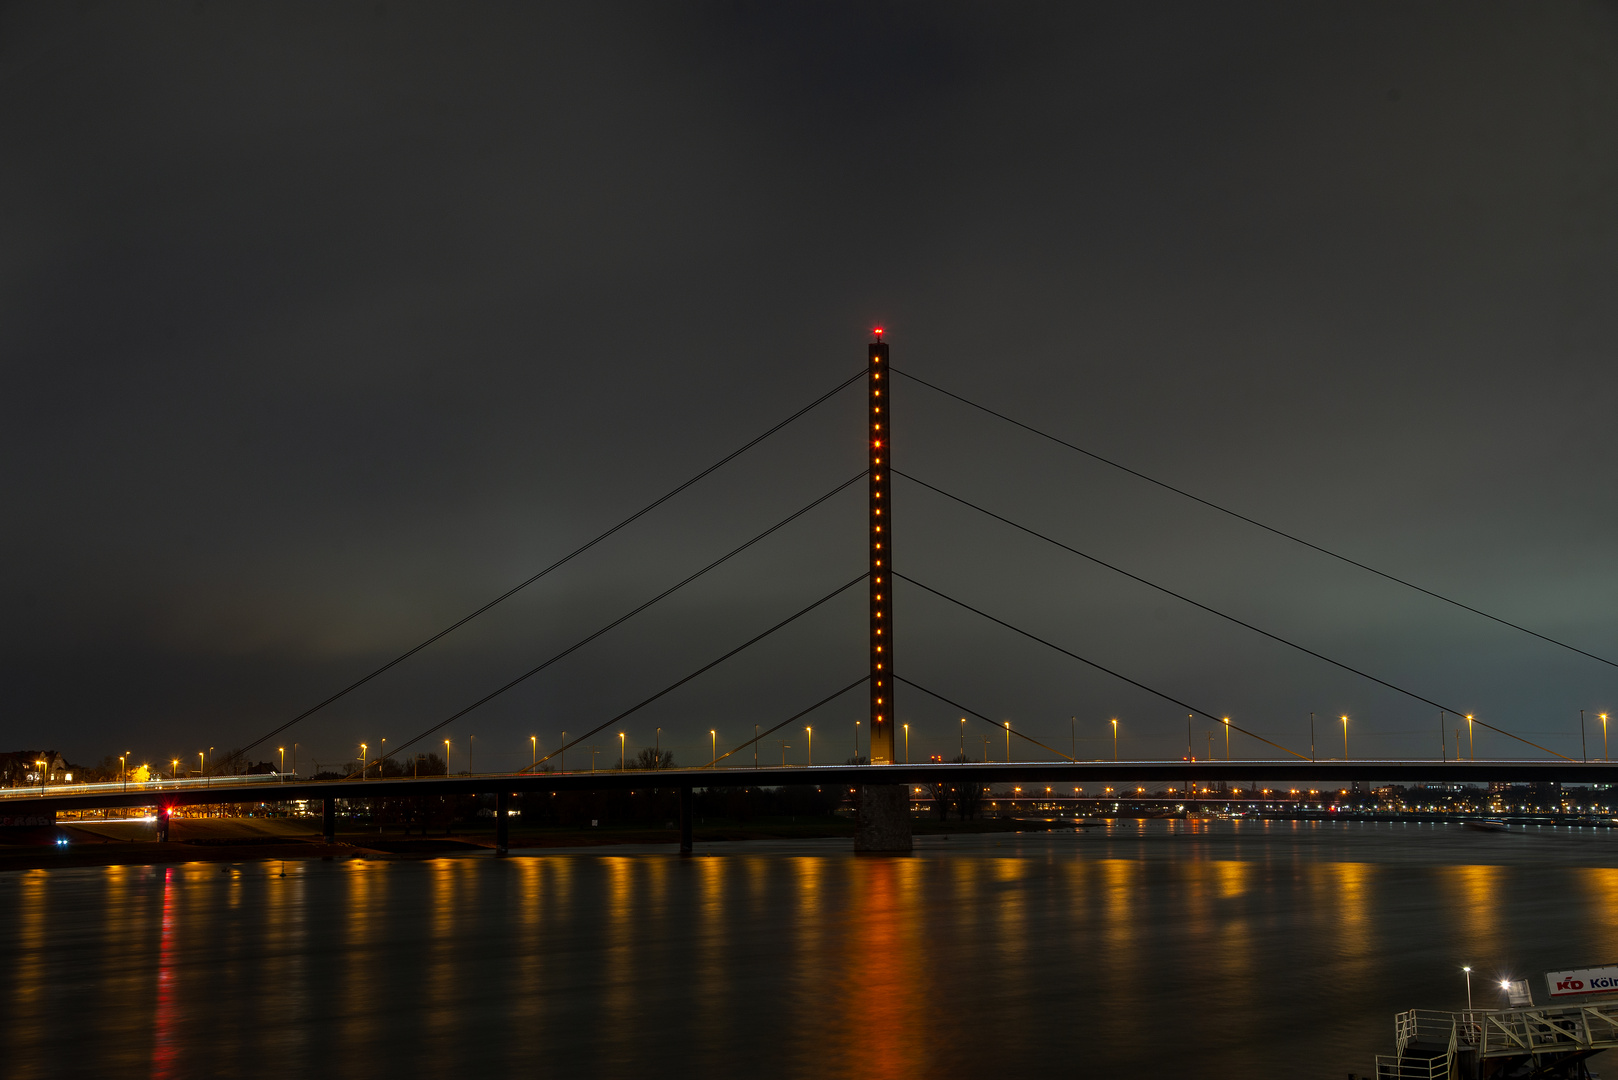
(884, 809)
(879, 393)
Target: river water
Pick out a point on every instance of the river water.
(1143, 949)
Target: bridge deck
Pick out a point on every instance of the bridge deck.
(215, 789)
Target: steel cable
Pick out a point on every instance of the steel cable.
(565, 559)
(1215, 611)
(1251, 521)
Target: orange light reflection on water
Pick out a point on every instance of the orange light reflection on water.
(883, 1011)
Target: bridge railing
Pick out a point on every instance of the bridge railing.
(156, 787)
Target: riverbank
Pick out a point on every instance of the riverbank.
(234, 840)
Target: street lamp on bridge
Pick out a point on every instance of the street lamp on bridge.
(810, 732)
(363, 750)
(1115, 738)
(1345, 738)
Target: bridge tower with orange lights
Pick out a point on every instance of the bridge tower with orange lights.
(878, 387)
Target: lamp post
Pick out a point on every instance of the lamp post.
(294, 759)
(713, 746)
(657, 748)
(1471, 746)
(1468, 988)
(446, 757)
(202, 763)
(907, 744)
(40, 765)
(283, 752)
(622, 764)
(1311, 736)
(174, 768)
(471, 741)
(755, 748)
(1073, 737)
(1008, 742)
(363, 762)
(1115, 738)
(856, 742)
(121, 759)
(533, 750)
(810, 732)
(1604, 737)
(963, 736)
(561, 754)
(1227, 738)
(1345, 738)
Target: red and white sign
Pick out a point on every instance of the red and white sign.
(1601, 980)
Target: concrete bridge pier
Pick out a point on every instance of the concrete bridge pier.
(328, 819)
(502, 824)
(687, 807)
(883, 824)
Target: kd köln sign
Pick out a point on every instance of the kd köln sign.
(1601, 980)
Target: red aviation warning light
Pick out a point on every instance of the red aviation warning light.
(878, 333)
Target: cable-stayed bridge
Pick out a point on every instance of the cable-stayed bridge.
(884, 802)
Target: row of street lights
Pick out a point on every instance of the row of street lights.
(713, 736)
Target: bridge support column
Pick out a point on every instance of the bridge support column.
(687, 807)
(883, 825)
(328, 819)
(502, 824)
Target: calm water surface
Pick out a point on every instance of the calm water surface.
(1144, 949)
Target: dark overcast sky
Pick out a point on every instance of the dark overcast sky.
(323, 324)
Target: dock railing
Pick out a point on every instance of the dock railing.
(1429, 1040)
(1545, 1029)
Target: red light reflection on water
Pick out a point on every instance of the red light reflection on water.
(165, 1048)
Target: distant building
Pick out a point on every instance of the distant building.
(20, 768)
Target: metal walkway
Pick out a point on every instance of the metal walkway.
(1543, 1041)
